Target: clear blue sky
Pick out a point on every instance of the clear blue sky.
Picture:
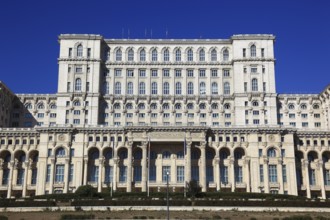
(29, 30)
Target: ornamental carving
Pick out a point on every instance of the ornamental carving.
(61, 137)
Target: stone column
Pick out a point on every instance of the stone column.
(188, 162)
(144, 168)
(202, 176)
(12, 167)
(280, 175)
(52, 175)
(85, 170)
(26, 169)
(232, 174)
(246, 174)
(100, 179)
(217, 173)
(266, 176)
(308, 188)
(129, 167)
(320, 166)
(66, 175)
(114, 174)
(1, 171)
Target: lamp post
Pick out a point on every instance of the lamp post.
(167, 201)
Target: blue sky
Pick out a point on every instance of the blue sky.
(29, 30)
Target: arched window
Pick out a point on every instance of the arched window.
(226, 106)
(178, 88)
(166, 55)
(28, 106)
(202, 88)
(141, 106)
(190, 88)
(154, 88)
(223, 155)
(153, 106)
(142, 88)
(177, 106)
(79, 50)
(76, 103)
(154, 55)
(118, 55)
(77, 85)
(202, 55)
(214, 56)
(178, 55)
(142, 55)
(316, 106)
(116, 106)
(303, 106)
(106, 88)
(60, 152)
(117, 88)
(190, 55)
(215, 106)
(214, 88)
(130, 88)
(225, 55)
(291, 106)
(53, 106)
(190, 106)
(253, 51)
(166, 88)
(255, 103)
(130, 55)
(271, 152)
(138, 155)
(226, 88)
(254, 85)
(123, 154)
(41, 106)
(202, 106)
(166, 106)
(166, 155)
(129, 106)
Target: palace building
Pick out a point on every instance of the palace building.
(129, 113)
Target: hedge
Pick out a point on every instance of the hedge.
(27, 203)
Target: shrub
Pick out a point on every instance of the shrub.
(2, 217)
(86, 191)
(193, 188)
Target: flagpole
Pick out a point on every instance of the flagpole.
(148, 191)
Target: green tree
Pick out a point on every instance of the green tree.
(193, 188)
(86, 191)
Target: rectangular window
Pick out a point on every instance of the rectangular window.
(34, 176)
(118, 72)
(284, 173)
(264, 86)
(180, 174)
(154, 115)
(177, 73)
(166, 115)
(215, 115)
(254, 69)
(312, 177)
(261, 173)
(130, 73)
(117, 115)
(262, 52)
(20, 176)
(224, 174)
(40, 115)
(166, 172)
(227, 124)
(142, 73)
(272, 173)
(190, 115)
(255, 112)
(78, 69)
(108, 174)
(152, 173)
(137, 173)
(214, 73)
(226, 73)
(327, 178)
(292, 124)
(244, 52)
(256, 121)
(141, 115)
(5, 177)
(202, 73)
(70, 52)
(317, 124)
(89, 52)
(166, 73)
(129, 115)
(317, 115)
(227, 115)
(76, 121)
(238, 174)
(245, 87)
(76, 112)
(122, 174)
(59, 173)
(292, 115)
(260, 152)
(190, 73)
(71, 170)
(154, 73)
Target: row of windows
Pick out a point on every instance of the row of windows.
(304, 115)
(177, 55)
(40, 105)
(166, 73)
(166, 88)
(303, 106)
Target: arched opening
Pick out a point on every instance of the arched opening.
(34, 158)
(239, 153)
(137, 169)
(210, 154)
(93, 166)
(20, 157)
(311, 156)
(298, 158)
(195, 156)
(122, 154)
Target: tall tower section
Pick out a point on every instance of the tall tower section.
(254, 80)
(80, 64)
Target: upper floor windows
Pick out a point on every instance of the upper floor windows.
(178, 88)
(254, 85)
(225, 55)
(130, 55)
(142, 88)
(117, 88)
(166, 55)
(77, 86)
(130, 88)
(154, 55)
(79, 50)
(271, 152)
(178, 55)
(190, 89)
(253, 51)
(142, 55)
(202, 55)
(226, 88)
(166, 88)
(214, 56)
(190, 55)
(118, 55)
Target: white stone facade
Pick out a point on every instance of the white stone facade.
(147, 99)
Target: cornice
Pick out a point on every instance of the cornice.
(257, 59)
(67, 59)
(80, 37)
(168, 41)
(175, 64)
